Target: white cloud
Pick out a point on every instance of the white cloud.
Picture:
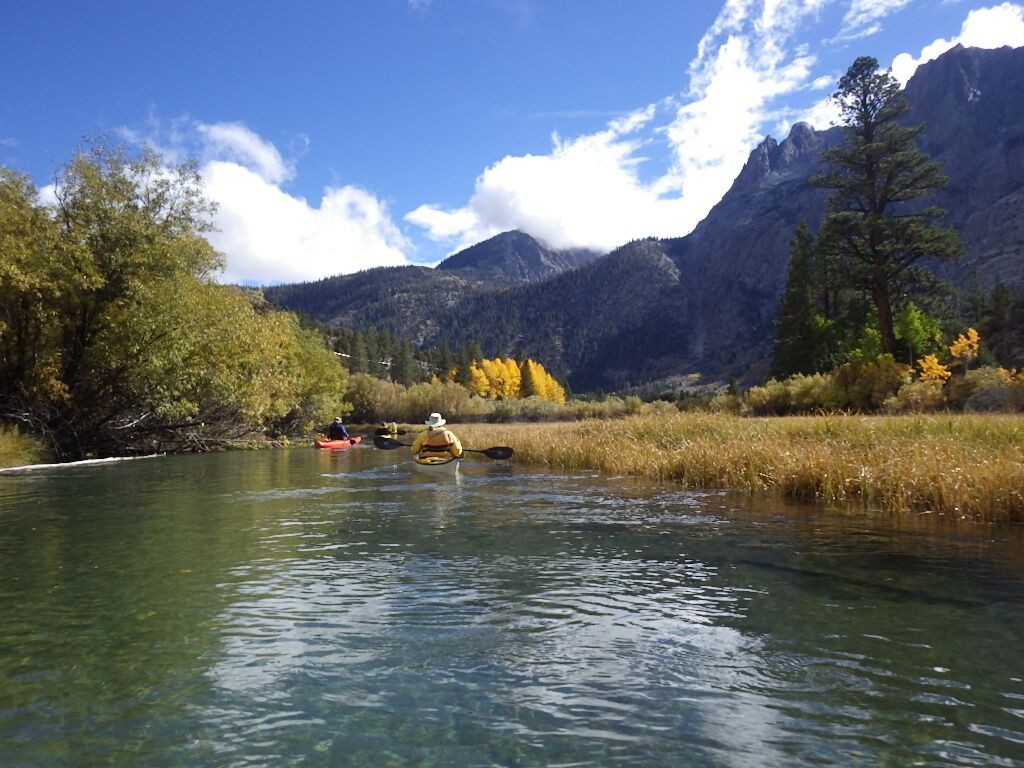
(236, 142)
(983, 28)
(8, 142)
(585, 193)
(822, 115)
(266, 234)
(270, 236)
(588, 190)
(862, 14)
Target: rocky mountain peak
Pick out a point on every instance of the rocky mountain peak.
(758, 165)
(770, 157)
(513, 257)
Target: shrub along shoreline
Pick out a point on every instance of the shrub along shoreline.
(958, 466)
(17, 449)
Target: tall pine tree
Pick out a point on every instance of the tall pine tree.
(875, 172)
(405, 370)
(794, 325)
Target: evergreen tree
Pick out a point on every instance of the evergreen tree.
(794, 326)
(468, 354)
(527, 385)
(875, 172)
(445, 362)
(373, 356)
(404, 369)
(359, 362)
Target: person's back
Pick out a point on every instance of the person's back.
(436, 440)
(337, 431)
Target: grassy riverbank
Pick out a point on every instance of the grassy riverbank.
(17, 449)
(966, 466)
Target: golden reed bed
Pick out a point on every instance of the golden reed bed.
(965, 466)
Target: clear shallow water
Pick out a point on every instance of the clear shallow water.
(307, 608)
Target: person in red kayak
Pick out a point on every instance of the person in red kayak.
(337, 431)
(437, 440)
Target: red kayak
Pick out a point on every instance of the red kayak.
(339, 443)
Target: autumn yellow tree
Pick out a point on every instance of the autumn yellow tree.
(932, 371)
(537, 382)
(478, 383)
(506, 379)
(965, 347)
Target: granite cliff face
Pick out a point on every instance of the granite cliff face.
(973, 103)
(706, 303)
(734, 262)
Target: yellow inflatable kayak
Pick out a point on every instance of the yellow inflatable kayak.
(437, 464)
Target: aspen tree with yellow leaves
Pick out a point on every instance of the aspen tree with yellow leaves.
(932, 371)
(965, 347)
(505, 379)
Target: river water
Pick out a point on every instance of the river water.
(300, 607)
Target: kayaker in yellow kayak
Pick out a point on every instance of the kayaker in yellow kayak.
(437, 440)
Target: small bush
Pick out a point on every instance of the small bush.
(917, 397)
(694, 403)
(866, 387)
(725, 402)
(980, 379)
(660, 407)
(812, 393)
(772, 399)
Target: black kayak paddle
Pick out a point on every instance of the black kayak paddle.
(498, 452)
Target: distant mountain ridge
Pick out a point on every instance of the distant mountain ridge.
(512, 258)
(412, 300)
(706, 303)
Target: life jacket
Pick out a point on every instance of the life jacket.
(438, 441)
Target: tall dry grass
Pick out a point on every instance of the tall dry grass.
(969, 466)
(18, 450)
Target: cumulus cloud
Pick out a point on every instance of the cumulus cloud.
(588, 191)
(990, 27)
(585, 193)
(237, 143)
(268, 235)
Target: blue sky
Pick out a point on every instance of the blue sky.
(337, 136)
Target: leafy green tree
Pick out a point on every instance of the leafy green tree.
(114, 336)
(877, 237)
(33, 280)
(918, 333)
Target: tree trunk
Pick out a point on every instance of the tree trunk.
(880, 295)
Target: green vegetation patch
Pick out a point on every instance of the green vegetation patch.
(17, 450)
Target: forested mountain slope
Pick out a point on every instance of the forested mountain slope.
(706, 302)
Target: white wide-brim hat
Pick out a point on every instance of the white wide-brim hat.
(435, 420)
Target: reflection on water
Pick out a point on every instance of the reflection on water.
(336, 608)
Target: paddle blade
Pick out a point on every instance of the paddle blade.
(387, 444)
(498, 452)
